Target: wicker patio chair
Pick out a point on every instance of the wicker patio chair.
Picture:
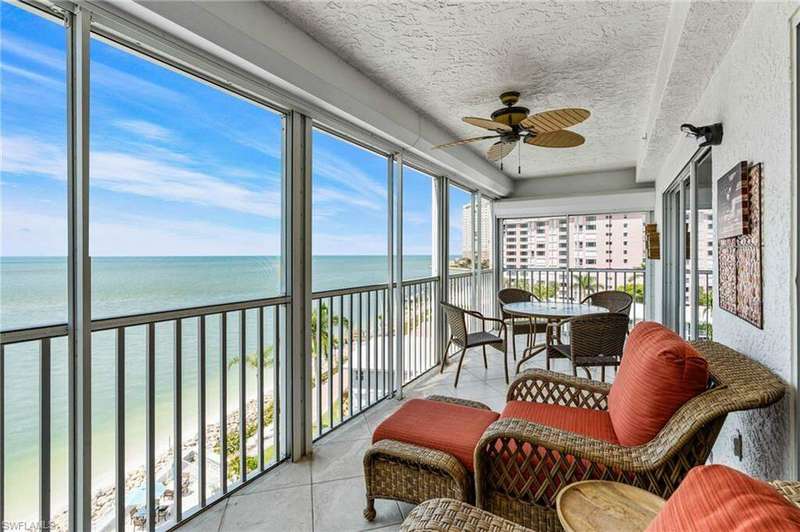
(461, 337)
(413, 474)
(521, 466)
(446, 515)
(613, 300)
(519, 325)
(594, 340)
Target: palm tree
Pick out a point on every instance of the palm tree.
(251, 359)
(636, 293)
(586, 284)
(324, 333)
(544, 290)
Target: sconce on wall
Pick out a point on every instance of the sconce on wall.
(705, 135)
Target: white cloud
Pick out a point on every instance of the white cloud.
(146, 236)
(124, 85)
(357, 188)
(360, 243)
(27, 233)
(150, 173)
(144, 129)
(47, 56)
(58, 84)
(418, 218)
(22, 155)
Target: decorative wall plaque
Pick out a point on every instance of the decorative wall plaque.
(732, 202)
(740, 283)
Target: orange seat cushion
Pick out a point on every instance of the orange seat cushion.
(453, 429)
(659, 372)
(716, 498)
(595, 424)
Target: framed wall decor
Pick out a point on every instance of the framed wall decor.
(733, 211)
(739, 267)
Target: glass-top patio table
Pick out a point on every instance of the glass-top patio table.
(551, 311)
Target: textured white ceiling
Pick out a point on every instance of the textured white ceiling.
(452, 59)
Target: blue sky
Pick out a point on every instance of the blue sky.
(178, 167)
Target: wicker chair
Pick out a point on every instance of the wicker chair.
(613, 300)
(520, 466)
(456, 319)
(446, 515)
(595, 340)
(519, 325)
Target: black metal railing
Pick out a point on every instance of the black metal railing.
(239, 346)
(216, 372)
(575, 284)
(421, 306)
(350, 347)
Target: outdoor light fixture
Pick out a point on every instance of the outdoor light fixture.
(705, 135)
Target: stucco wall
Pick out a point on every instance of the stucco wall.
(750, 93)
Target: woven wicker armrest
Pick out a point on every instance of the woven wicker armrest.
(789, 489)
(531, 463)
(542, 386)
(446, 515)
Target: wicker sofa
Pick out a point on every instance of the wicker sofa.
(520, 466)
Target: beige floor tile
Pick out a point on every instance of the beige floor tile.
(381, 411)
(284, 510)
(351, 430)
(339, 506)
(287, 475)
(207, 521)
(336, 461)
(405, 508)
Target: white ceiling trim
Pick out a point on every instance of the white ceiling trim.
(632, 200)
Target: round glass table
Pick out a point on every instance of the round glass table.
(551, 311)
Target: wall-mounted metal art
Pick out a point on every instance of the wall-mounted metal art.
(740, 278)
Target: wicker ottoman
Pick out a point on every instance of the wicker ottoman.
(411, 473)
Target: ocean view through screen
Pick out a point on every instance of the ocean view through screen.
(32, 292)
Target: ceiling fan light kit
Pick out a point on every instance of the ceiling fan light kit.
(513, 123)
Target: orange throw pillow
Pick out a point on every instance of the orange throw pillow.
(659, 372)
(716, 498)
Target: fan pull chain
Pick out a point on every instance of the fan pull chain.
(519, 158)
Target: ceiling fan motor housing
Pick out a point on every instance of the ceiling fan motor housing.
(510, 116)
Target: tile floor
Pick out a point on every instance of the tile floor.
(326, 491)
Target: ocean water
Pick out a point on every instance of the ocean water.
(33, 291)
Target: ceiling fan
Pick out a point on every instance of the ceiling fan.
(513, 124)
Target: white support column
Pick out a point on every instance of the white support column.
(442, 245)
(399, 310)
(390, 274)
(79, 284)
(298, 158)
(475, 237)
(694, 316)
(497, 257)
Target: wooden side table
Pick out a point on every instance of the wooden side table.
(601, 505)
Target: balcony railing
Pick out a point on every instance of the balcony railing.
(574, 284)
(211, 383)
(239, 346)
